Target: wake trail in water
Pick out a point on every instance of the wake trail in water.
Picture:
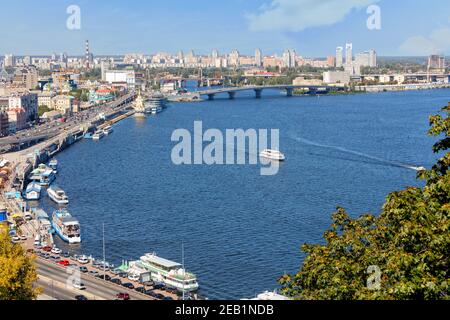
(360, 154)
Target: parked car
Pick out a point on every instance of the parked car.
(66, 255)
(140, 289)
(105, 277)
(159, 286)
(56, 250)
(81, 298)
(133, 277)
(47, 249)
(128, 285)
(123, 275)
(116, 281)
(93, 273)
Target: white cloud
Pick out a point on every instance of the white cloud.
(298, 15)
(438, 42)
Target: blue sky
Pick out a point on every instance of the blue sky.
(312, 27)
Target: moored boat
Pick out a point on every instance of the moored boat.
(98, 135)
(66, 226)
(108, 130)
(58, 195)
(54, 165)
(43, 175)
(168, 272)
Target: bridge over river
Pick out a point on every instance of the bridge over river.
(231, 91)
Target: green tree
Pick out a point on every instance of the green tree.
(407, 245)
(17, 272)
(43, 109)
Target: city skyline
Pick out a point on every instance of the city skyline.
(152, 27)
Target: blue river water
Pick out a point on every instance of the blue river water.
(241, 231)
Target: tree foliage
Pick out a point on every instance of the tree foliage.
(17, 271)
(408, 243)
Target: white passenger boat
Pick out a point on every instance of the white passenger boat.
(155, 103)
(272, 154)
(54, 165)
(43, 175)
(66, 226)
(33, 191)
(58, 195)
(98, 135)
(168, 272)
(108, 130)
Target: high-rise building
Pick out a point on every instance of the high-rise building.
(373, 58)
(9, 61)
(349, 54)
(258, 58)
(331, 61)
(289, 58)
(233, 58)
(436, 62)
(339, 57)
(214, 57)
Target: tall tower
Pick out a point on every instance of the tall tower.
(258, 58)
(339, 57)
(88, 55)
(349, 54)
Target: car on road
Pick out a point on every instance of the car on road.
(47, 248)
(123, 275)
(83, 269)
(64, 263)
(78, 285)
(168, 298)
(123, 296)
(46, 255)
(93, 273)
(81, 298)
(159, 296)
(55, 258)
(128, 285)
(23, 238)
(55, 250)
(116, 281)
(66, 255)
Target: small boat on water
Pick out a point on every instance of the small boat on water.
(272, 154)
(33, 191)
(66, 226)
(54, 165)
(98, 135)
(58, 195)
(108, 130)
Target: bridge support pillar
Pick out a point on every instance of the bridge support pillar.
(211, 96)
(289, 92)
(231, 95)
(258, 93)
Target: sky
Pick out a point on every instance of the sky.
(314, 28)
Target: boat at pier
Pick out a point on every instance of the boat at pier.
(33, 191)
(54, 165)
(108, 130)
(43, 175)
(58, 195)
(168, 272)
(155, 103)
(272, 154)
(66, 226)
(98, 135)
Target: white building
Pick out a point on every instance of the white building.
(9, 61)
(121, 76)
(335, 77)
(258, 58)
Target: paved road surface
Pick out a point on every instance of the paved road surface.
(95, 288)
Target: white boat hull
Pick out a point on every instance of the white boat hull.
(57, 200)
(73, 240)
